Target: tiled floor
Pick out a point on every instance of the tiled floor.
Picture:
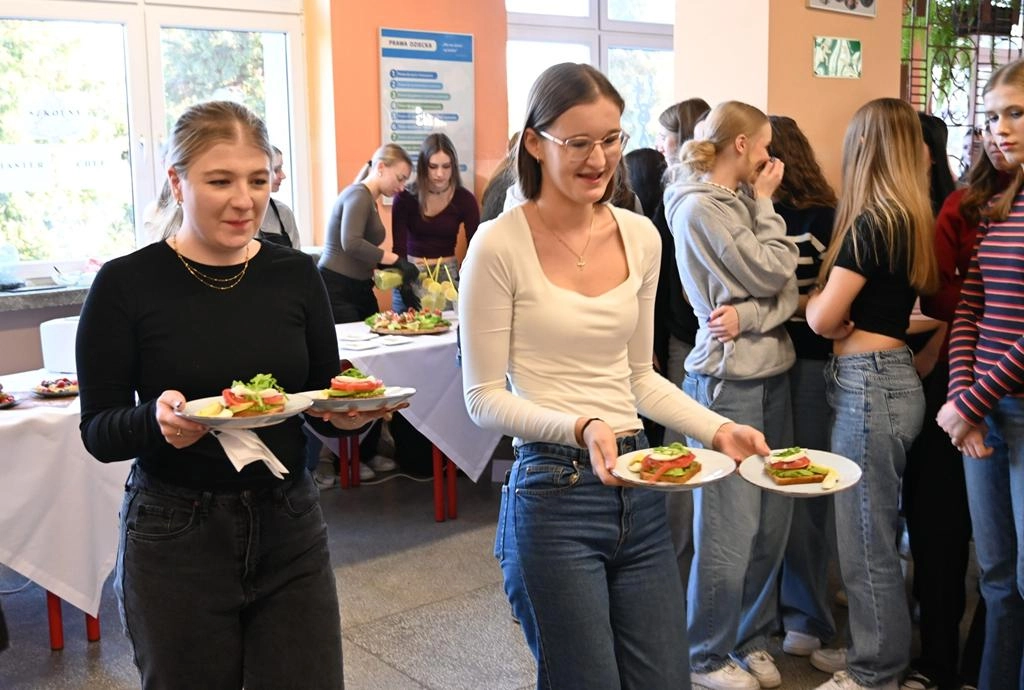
(422, 605)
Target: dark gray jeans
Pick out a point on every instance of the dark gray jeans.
(220, 590)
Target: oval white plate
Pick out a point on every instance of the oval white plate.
(752, 469)
(393, 395)
(295, 404)
(713, 467)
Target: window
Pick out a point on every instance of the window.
(89, 91)
(629, 40)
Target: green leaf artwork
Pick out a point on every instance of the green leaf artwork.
(837, 58)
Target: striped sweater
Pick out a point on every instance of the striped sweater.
(986, 349)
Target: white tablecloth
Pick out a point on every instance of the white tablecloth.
(438, 410)
(58, 505)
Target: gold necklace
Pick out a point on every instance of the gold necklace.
(580, 261)
(722, 187)
(211, 281)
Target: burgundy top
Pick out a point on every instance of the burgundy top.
(415, 235)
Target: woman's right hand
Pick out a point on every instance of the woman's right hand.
(599, 440)
(177, 431)
(769, 179)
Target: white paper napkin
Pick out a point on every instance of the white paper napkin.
(243, 447)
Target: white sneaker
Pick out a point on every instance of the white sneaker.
(829, 660)
(366, 472)
(382, 463)
(729, 677)
(800, 644)
(844, 681)
(324, 481)
(762, 666)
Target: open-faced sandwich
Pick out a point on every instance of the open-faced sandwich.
(792, 466)
(5, 398)
(260, 396)
(674, 463)
(353, 383)
(408, 321)
(61, 386)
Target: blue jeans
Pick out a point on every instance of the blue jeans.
(740, 531)
(878, 408)
(225, 589)
(803, 592)
(679, 504)
(995, 493)
(591, 575)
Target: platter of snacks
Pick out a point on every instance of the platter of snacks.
(255, 404)
(673, 468)
(354, 390)
(422, 322)
(800, 472)
(56, 388)
(6, 399)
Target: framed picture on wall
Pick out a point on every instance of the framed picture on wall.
(865, 8)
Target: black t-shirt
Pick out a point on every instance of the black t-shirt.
(811, 229)
(886, 300)
(673, 315)
(148, 326)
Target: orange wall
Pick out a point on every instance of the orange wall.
(355, 27)
(823, 107)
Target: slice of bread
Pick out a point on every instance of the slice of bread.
(784, 481)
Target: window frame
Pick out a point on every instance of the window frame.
(144, 82)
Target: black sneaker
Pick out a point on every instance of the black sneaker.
(918, 681)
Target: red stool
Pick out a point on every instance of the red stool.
(56, 619)
(444, 469)
(348, 461)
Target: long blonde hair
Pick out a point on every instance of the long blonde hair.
(1011, 74)
(714, 134)
(885, 182)
(390, 154)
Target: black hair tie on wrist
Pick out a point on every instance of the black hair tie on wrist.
(587, 423)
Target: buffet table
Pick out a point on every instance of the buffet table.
(58, 505)
(438, 410)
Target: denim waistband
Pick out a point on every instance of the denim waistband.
(876, 360)
(140, 479)
(625, 444)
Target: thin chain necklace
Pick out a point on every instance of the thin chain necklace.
(580, 261)
(211, 281)
(721, 186)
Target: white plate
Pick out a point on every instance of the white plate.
(357, 345)
(393, 395)
(713, 467)
(392, 340)
(357, 336)
(295, 404)
(752, 469)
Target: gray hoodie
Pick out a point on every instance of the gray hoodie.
(732, 249)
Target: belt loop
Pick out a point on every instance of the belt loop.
(204, 503)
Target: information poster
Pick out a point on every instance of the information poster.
(426, 85)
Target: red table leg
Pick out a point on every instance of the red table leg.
(92, 628)
(438, 484)
(56, 621)
(452, 497)
(344, 465)
(353, 444)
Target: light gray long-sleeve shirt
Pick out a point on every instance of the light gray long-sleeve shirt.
(353, 234)
(732, 249)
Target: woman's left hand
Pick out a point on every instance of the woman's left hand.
(739, 441)
(350, 420)
(953, 424)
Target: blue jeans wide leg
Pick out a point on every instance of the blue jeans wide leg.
(878, 405)
(210, 584)
(679, 503)
(803, 593)
(591, 575)
(740, 531)
(995, 494)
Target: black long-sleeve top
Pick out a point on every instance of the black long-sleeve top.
(148, 326)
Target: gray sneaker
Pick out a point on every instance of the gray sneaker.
(829, 660)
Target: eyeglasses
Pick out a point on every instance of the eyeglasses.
(578, 149)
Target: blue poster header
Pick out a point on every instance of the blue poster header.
(426, 45)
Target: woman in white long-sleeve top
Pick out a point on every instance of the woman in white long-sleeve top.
(557, 295)
(738, 270)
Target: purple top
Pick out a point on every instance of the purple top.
(415, 235)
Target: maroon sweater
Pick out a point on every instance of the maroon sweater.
(415, 235)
